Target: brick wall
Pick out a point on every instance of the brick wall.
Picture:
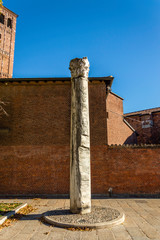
(35, 137)
(45, 170)
(128, 170)
(34, 144)
(118, 132)
(34, 169)
(39, 113)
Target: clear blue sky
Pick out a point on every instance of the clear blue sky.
(119, 37)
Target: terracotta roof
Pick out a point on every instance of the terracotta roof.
(143, 112)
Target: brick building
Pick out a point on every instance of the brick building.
(147, 125)
(7, 42)
(119, 131)
(35, 141)
(36, 96)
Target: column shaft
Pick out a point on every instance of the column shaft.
(80, 179)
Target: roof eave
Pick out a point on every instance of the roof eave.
(108, 80)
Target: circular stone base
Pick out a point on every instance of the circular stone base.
(100, 217)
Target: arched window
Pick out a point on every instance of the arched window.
(9, 23)
(2, 18)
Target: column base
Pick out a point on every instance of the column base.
(80, 211)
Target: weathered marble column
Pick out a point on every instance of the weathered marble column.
(80, 177)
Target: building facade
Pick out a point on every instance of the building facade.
(7, 42)
(119, 131)
(147, 125)
(35, 141)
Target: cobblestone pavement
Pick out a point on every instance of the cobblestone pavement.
(142, 222)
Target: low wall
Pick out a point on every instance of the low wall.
(45, 169)
(34, 170)
(133, 170)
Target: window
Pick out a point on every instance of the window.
(2, 18)
(9, 23)
(147, 121)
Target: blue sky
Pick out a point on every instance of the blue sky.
(119, 37)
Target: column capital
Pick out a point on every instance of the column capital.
(79, 67)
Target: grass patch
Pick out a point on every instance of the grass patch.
(7, 207)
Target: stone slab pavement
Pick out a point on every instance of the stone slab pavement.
(142, 221)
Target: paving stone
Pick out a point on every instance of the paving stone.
(70, 235)
(58, 229)
(135, 233)
(22, 237)
(38, 236)
(29, 228)
(142, 222)
(19, 225)
(104, 234)
(56, 236)
(140, 238)
(8, 234)
(120, 233)
(89, 235)
(52, 202)
(96, 203)
(67, 203)
(140, 219)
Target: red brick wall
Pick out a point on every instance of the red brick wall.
(134, 170)
(34, 169)
(34, 154)
(35, 137)
(45, 170)
(39, 113)
(117, 130)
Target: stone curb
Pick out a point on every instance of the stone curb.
(120, 219)
(11, 213)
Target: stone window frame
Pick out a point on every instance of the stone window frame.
(9, 23)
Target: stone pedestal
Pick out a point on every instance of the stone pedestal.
(80, 177)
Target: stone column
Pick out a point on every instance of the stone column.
(80, 177)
